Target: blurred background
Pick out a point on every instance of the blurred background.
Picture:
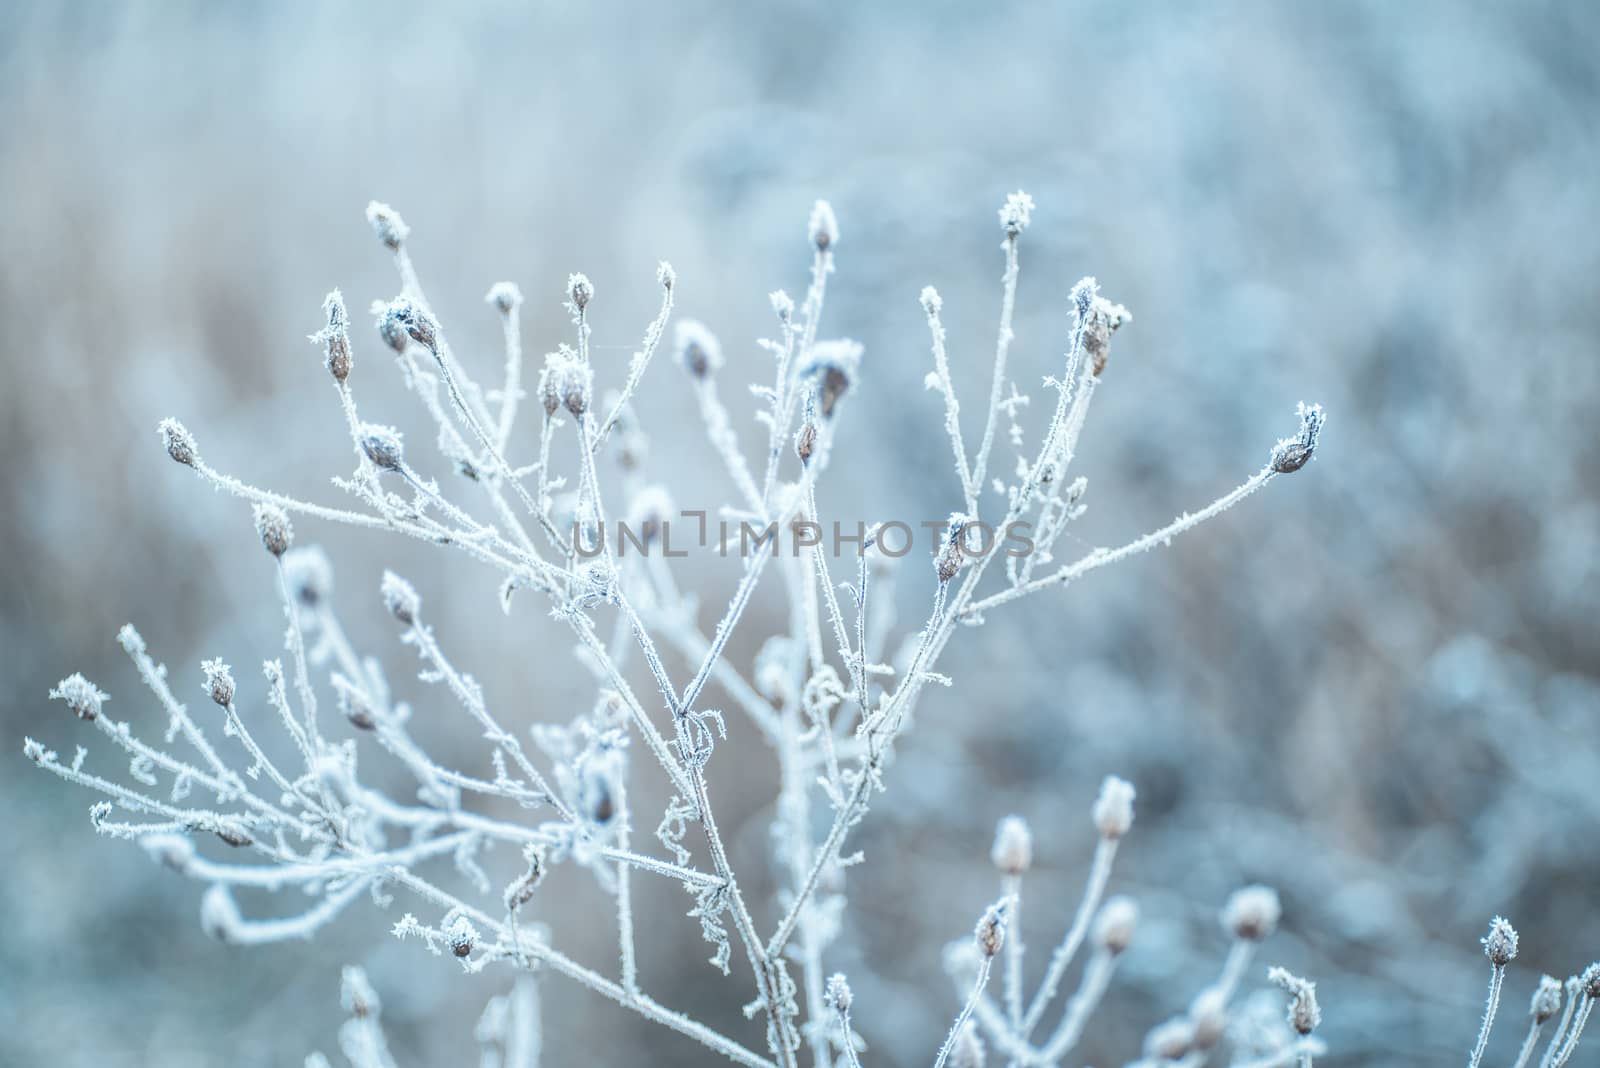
(1373, 686)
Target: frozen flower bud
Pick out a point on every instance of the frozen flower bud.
(219, 916)
(356, 994)
(390, 329)
(219, 685)
(1012, 852)
(782, 305)
(272, 524)
(232, 835)
(179, 442)
(1115, 924)
(1105, 319)
(932, 302)
(383, 446)
(1590, 980)
(1291, 454)
(1170, 1040)
(1500, 944)
(823, 228)
(1208, 1015)
(580, 289)
(357, 708)
(1113, 809)
(173, 851)
(310, 575)
(402, 318)
(387, 224)
(462, 936)
(805, 442)
(400, 598)
(832, 366)
(505, 296)
(335, 337)
(837, 993)
(968, 1051)
(567, 382)
(665, 275)
(1304, 1012)
(1546, 1000)
(990, 934)
(596, 796)
(697, 348)
(549, 391)
(1252, 913)
(952, 555)
(80, 695)
(1016, 213)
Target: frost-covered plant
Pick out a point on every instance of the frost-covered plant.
(1581, 993)
(824, 695)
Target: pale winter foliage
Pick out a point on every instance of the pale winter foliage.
(832, 694)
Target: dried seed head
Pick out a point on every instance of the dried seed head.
(400, 319)
(505, 296)
(1115, 924)
(219, 916)
(1170, 1040)
(387, 224)
(1546, 1000)
(1304, 1012)
(174, 851)
(219, 684)
(1291, 454)
(1113, 809)
(1500, 944)
(232, 835)
(179, 442)
(932, 302)
(335, 337)
(462, 936)
(356, 994)
(400, 598)
(1105, 319)
(383, 446)
(580, 290)
(272, 524)
(1252, 913)
(823, 228)
(697, 348)
(1016, 213)
(1208, 1014)
(310, 575)
(837, 994)
(990, 934)
(80, 695)
(1013, 846)
(968, 1051)
(832, 366)
(1590, 980)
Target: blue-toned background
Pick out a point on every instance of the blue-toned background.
(1374, 685)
